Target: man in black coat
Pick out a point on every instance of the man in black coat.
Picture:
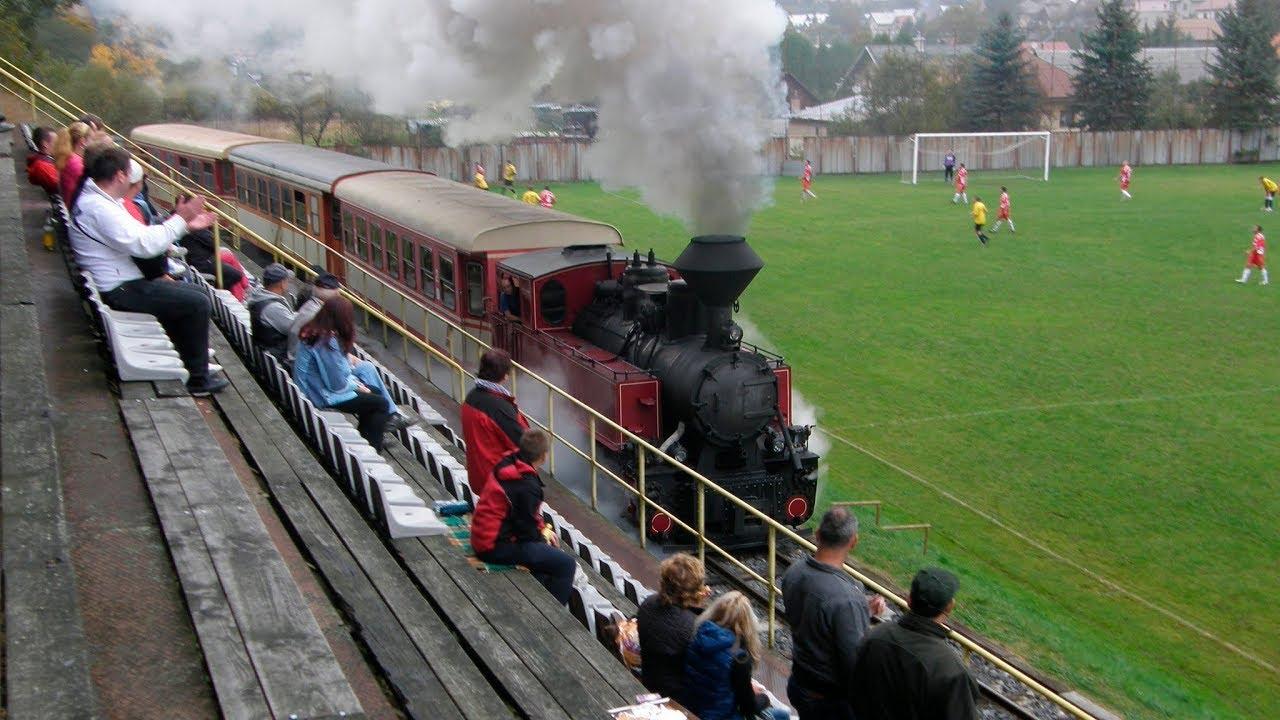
(907, 670)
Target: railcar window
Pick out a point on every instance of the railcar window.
(314, 203)
(551, 300)
(206, 175)
(410, 274)
(228, 176)
(448, 297)
(427, 272)
(262, 194)
(375, 237)
(300, 211)
(475, 288)
(362, 239)
(393, 259)
(286, 205)
(348, 238)
(273, 190)
(242, 188)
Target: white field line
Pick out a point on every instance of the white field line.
(1063, 406)
(1096, 577)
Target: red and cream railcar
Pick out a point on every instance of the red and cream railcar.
(198, 154)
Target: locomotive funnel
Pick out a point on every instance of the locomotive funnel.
(718, 268)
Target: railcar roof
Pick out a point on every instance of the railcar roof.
(304, 165)
(546, 262)
(468, 219)
(193, 139)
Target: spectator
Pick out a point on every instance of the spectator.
(507, 526)
(547, 199)
(720, 660)
(105, 238)
(665, 621)
(530, 196)
(68, 155)
(142, 199)
(828, 613)
(94, 122)
(305, 293)
(157, 266)
(326, 286)
(270, 314)
(323, 370)
(41, 170)
(508, 299)
(491, 422)
(199, 247)
(907, 670)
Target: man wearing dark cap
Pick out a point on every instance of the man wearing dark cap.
(828, 613)
(270, 315)
(491, 421)
(907, 670)
(325, 286)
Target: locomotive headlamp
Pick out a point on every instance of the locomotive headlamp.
(735, 333)
(678, 452)
(777, 442)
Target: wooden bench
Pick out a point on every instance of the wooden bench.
(264, 650)
(422, 660)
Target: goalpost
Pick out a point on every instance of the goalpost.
(1017, 154)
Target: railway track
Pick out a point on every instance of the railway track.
(1005, 696)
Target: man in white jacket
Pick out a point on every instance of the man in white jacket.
(106, 238)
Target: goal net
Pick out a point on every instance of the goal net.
(994, 155)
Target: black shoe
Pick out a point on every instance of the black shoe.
(398, 422)
(207, 386)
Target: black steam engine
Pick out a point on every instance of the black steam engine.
(720, 400)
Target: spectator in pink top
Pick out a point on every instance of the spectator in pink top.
(68, 155)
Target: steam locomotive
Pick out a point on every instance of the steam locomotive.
(719, 406)
(649, 345)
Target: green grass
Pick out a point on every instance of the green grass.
(1097, 383)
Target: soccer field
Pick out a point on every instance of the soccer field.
(1088, 412)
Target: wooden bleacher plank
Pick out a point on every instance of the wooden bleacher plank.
(297, 669)
(502, 661)
(422, 659)
(46, 663)
(234, 679)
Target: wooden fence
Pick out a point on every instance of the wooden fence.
(556, 160)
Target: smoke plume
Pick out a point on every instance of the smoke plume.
(686, 90)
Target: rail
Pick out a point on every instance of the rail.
(643, 448)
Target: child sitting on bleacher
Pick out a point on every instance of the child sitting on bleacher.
(720, 661)
(507, 527)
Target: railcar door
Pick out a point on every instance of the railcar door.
(338, 234)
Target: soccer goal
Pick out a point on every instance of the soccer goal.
(994, 154)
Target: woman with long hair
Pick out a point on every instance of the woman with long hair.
(68, 155)
(719, 663)
(323, 370)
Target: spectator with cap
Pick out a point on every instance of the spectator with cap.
(907, 670)
(41, 170)
(829, 613)
(105, 240)
(665, 623)
(491, 421)
(326, 286)
(507, 527)
(270, 314)
(157, 266)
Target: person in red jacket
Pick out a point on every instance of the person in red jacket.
(491, 421)
(41, 171)
(507, 526)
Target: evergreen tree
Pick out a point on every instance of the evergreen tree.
(1000, 92)
(1246, 75)
(1112, 82)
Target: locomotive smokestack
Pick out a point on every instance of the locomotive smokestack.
(718, 268)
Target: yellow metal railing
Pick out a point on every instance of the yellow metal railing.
(644, 449)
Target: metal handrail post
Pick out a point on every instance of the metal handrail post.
(217, 253)
(702, 523)
(551, 427)
(773, 581)
(641, 524)
(591, 439)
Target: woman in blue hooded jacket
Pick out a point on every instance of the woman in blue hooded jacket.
(323, 370)
(719, 663)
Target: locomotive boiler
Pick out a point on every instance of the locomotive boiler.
(722, 401)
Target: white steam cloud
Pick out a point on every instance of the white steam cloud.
(685, 90)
